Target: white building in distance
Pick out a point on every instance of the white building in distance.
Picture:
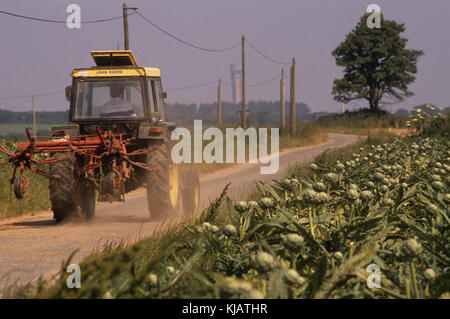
(236, 78)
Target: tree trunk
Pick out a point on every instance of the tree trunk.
(375, 107)
(373, 103)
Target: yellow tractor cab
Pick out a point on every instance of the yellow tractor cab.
(116, 90)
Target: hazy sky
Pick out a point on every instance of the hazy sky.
(38, 57)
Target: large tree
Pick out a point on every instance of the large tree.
(377, 66)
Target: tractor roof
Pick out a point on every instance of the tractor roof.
(115, 63)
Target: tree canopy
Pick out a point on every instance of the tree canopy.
(377, 66)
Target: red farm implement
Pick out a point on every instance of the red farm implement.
(104, 151)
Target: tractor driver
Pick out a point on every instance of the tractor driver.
(117, 105)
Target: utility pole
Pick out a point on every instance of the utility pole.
(126, 39)
(219, 104)
(293, 98)
(282, 116)
(34, 117)
(244, 112)
(125, 26)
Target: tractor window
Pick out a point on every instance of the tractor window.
(158, 97)
(109, 99)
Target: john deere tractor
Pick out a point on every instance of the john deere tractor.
(117, 140)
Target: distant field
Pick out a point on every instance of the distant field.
(18, 130)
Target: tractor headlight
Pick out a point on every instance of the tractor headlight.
(155, 117)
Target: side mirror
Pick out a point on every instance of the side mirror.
(164, 95)
(68, 92)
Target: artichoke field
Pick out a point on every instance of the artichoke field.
(315, 237)
(318, 234)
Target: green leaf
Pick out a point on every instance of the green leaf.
(321, 270)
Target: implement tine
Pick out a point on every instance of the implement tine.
(30, 138)
(99, 133)
(4, 150)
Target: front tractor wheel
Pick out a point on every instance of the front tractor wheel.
(163, 189)
(71, 196)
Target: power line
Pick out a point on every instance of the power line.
(30, 95)
(185, 42)
(256, 84)
(22, 104)
(194, 86)
(173, 89)
(58, 21)
(264, 82)
(265, 56)
(226, 83)
(51, 98)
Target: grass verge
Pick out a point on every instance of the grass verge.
(37, 196)
(362, 122)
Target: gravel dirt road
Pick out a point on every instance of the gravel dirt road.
(32, 245)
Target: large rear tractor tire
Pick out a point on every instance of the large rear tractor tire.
(71, 197)
(86, 193)
(190, 192)
(163, 189)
